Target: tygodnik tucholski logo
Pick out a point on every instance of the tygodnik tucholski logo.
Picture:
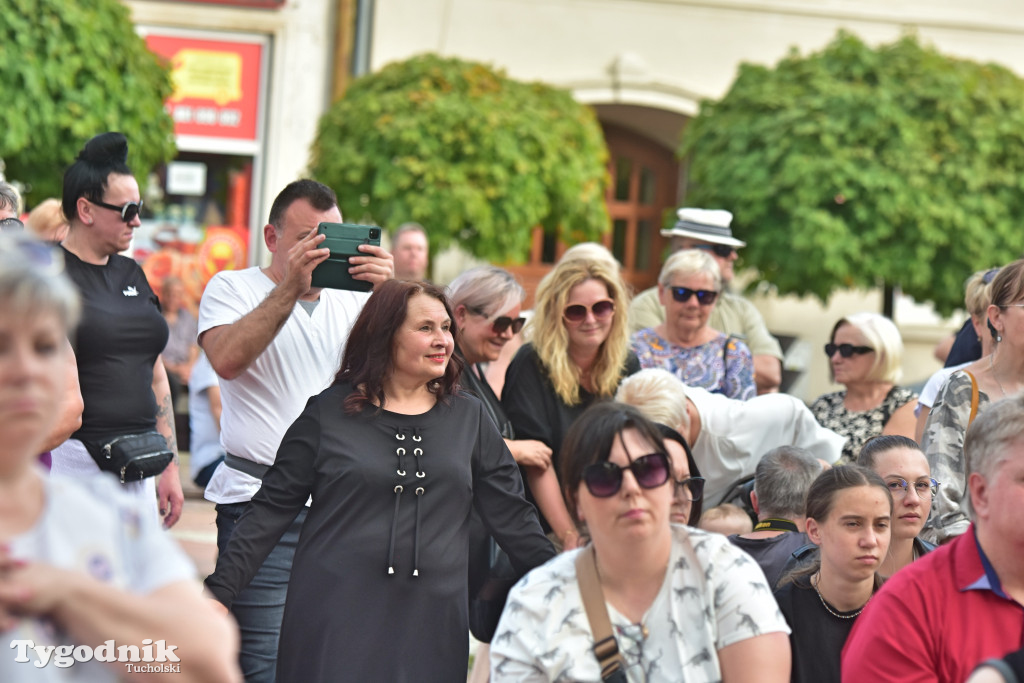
(151, 657)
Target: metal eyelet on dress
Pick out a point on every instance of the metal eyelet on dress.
(419, 490)
(399, 489)
(417, 451)
(401, 473)
(400, 436)
(399, 451)
(420, 475)
(417, 437)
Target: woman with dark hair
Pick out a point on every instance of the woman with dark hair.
(901, 463)
(849, 510)
(122, 333)
(683, 604)
(971, 391)
(395, 459)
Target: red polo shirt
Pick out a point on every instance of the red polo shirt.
(935, 620)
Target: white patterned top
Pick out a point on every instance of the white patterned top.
(714, 595)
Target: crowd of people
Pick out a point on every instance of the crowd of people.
(605, 487)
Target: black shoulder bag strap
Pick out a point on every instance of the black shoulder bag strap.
(606, 648)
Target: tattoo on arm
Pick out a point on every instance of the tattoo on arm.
(165, 424)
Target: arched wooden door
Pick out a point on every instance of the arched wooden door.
(643, 186)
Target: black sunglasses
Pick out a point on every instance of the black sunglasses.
(846, 350)
(691, 488)
(577, 313)
(502, 323)
(604, 479)
(705, 297)
(129, 211)
(719, 250)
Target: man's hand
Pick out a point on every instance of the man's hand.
(377, 266)
(169, 496)
(303, 257)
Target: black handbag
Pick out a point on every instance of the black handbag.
(133, 457)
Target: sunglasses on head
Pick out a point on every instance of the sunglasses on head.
(604, 479)
(577, 313)
(11, 225)
(502, 323)
(846, 350)
(129, 211)
(705, 297)
(719, 250)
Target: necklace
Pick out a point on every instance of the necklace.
(992, 367)
(829, 609)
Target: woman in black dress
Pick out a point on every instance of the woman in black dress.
(395, 461)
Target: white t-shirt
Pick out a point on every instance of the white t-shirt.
(713, 595)
(90, 525)
(735, 434)
(204, 440)
(258, 406)
(930, 391)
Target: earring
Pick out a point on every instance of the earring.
(999, 337)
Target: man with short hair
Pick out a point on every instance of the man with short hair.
(728, 436)
(411, 251)
(275, 341)
(710, 230)
(938, 618)
(781, 481)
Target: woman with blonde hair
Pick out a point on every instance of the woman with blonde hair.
(969, 392)
(685, 344)
(578, 355)
(865, 353)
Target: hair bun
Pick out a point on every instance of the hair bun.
(105, 150)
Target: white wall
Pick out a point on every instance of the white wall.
(302, 35)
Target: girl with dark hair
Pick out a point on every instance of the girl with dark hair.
(849, 510)
(395, 459)
(684, 604)
(901, 463)
(122, 333)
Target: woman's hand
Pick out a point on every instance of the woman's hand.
(530, 453)
(29, 588)
(570, 539)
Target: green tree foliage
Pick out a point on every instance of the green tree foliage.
(855, 166)
(476, 157)
(70, 70)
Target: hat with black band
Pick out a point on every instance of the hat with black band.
(708, 225)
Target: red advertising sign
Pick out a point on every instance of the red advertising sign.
(216, 86)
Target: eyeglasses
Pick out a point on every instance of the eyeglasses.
(924, 489)
(604, 479)
(129, 212)
(705, 297)
(690, 489)
(846, 350)
(499, 325)
(11, 225)
(719, 250)
(577, 313)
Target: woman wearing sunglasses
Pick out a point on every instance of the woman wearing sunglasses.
(683, 604)
(578, 354)
(849, 510)
(122, 332)
(901, 463)
(865, 353)
(970, 391)
(685, 344)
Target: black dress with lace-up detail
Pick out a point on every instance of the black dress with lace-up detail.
(378, 586)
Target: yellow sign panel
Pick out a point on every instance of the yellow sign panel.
(208, 75)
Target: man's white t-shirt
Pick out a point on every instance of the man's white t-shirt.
(258, 406)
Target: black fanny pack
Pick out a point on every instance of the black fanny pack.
(132, 456)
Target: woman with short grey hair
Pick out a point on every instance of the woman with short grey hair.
(685, 344)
